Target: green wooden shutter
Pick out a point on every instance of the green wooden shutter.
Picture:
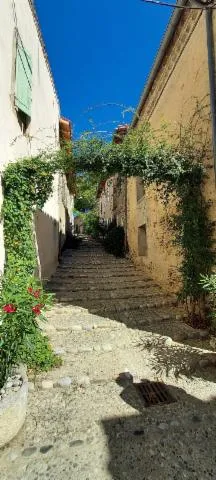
(23, 89)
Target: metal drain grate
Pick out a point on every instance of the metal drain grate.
(154, 393)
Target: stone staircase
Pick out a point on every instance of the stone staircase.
(114, 288)
(82, 423)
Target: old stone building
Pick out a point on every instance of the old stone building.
(182, 77)
(29, 122)
(112, 193)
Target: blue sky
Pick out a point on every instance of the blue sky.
(101, 52)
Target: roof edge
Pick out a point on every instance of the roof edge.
(174, 20)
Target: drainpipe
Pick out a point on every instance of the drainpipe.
(211, 70)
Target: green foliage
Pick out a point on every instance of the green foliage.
(72, 242)
(37, 353)
(23, 301)
(27, 185)
(86, 187)
(208, 283)
(176, 170)
(91, 224)
(114, 241)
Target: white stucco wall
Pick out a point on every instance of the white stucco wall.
(43, 131)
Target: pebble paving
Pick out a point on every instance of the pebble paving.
(82, 422)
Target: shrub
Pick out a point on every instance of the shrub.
(114, 241)
(208, 283)
(36, 352)
(72, 242)
(91, 224)
(27, 185)
(22, 301)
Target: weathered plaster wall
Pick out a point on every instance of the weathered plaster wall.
(43, 131)
(106, 201)
(181, 81)
(119, 200)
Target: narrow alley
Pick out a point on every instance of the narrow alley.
(85, 419)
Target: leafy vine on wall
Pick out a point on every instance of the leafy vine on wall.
(27, 185)
(177, 169)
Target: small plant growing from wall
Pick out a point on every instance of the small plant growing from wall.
(208, 283)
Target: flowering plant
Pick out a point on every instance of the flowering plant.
(19, 314)
(9, 308)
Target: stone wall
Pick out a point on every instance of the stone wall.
(181, 81)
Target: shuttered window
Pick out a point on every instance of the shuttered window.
(23, 87)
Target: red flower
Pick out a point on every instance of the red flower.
(37, 309)
(9, 308)
(37, 293)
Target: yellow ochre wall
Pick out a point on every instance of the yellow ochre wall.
(180, 82)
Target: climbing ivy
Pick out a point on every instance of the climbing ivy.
(27, 185)
(86, 188)
(177, 171)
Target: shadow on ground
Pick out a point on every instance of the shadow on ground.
(177, 359)
(171, 442)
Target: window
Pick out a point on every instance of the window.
(142, 241)
(23, 85)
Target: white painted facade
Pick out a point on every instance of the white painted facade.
(42, 133)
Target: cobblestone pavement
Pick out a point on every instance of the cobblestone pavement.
(83, 423)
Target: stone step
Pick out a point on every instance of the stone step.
(94, 264)
(99, 275)
(106, 294)
(145, 315)
(74, 286)
(115, 305)
(103, 275)
(97, 267)
(99, 258)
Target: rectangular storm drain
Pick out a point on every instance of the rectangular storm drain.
(154, 393)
